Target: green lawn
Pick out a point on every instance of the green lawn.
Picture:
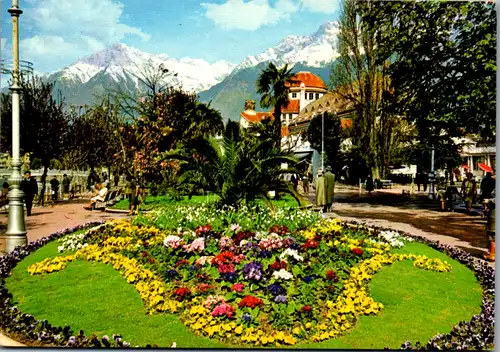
(95, 298)
(158, 201)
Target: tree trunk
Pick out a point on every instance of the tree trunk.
(44, 179)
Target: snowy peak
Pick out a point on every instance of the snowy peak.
(123, 63)
(314, 50)
(116, 55)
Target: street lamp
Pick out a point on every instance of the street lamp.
(16, 230)
(323, 141)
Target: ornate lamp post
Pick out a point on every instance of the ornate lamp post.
(16, 230)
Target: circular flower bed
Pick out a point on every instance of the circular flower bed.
(276, 287)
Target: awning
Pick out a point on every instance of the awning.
(465, 167)
(485, 167)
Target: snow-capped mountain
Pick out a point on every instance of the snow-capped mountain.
(314, 50)
(122, 63)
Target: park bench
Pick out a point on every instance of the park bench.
(102, 205)
(114, 198)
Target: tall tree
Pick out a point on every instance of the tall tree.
(442, 66)
(360, 76)
(273, 84)
(333, 136)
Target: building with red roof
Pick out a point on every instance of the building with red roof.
(305, 87)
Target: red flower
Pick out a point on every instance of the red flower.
(306, 308)
(278, 265)
(204, 287)
(238, 287)
(280, 230)
(331, 275)
(181, 293)
(310, 244)
(203, 229)
(223, 258)
(226, 268)
(181, 262)
(357, 251)
(250, 301)
(242, 235)
(144, 254)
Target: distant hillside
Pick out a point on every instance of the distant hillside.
(229, 95)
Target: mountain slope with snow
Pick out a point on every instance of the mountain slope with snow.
(313, 51)
(123, 63)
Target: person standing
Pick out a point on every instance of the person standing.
(487, 186)
(65, 183)
(321, 189)
(305, 184)
(30, 188)
(369, 184)
(133, 191)
(54, 186)
(330, 187)
(425, 180)
(418, 180)
(490, 226)
(469, 191)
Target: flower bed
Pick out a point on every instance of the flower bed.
(270, 288)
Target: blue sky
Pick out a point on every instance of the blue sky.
(55, 33)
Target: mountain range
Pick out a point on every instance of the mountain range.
(224, 84)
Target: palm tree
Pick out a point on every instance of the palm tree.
(273, 85)
(239, 170)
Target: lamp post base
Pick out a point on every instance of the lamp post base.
(11, 242)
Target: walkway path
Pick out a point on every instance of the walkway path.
(416, 214)
(45, 221)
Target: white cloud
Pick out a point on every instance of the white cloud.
(249, 15)
(69, 29)
(321, 6)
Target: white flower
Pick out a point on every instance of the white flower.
(292, 253)
(60, 249)
(282, 274)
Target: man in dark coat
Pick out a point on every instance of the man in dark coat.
(30, 188)
(487, 186)
(54, 185)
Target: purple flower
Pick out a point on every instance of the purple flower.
(276, 289)
(171, 274)
(295, 246)
(280, 299)
(252, 271)
(265, 254)
(246, 317)
(231, 277)
(308, 279)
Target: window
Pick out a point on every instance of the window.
(311, 96)
(317, 95)
(294, 95)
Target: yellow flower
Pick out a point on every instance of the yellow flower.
(308, 325)
(238, 330)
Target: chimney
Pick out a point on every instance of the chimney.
(249, 104)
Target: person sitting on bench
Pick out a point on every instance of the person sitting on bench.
(99, 197)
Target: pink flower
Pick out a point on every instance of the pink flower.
(226, 268)
(226, 243)
(211, 300)
(198, 245)
(223, 310)
(240, 257)
(203, 260)
(238, 287)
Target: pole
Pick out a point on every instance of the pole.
(432, 177)
(16, 230)
(323, 142)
